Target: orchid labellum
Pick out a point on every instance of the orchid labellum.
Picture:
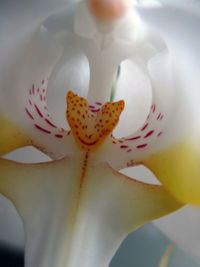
(130, 101)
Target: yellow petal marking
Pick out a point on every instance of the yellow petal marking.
(11, 136)
(90, 129)
(178, 169)
(166, 256)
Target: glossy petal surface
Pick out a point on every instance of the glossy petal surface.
(79, 197)
(175, 95)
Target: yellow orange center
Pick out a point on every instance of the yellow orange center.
(90, 129)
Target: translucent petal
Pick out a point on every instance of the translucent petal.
(70, 73)
(27, 54)
(134, 87)
(149, 136)
(192, 5)
(177, 167)
(25, 15)
(175, 87)
(182, 228)
(106, 45)
(181, 35)
(11, 136)
(23, 74)
(68, 203)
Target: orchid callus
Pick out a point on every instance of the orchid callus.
(77, 208)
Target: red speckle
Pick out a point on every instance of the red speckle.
(98, 103)
(129, 150)
(154, 108)
(42, 81)
(38, 111)
(30, 102)
(33, 89)
(123, 146)
(91, 106)
(59, 135)
(114, 142)
(149, 134)
(29, 114)
(43, 90)
(133, 138)
(95, 110)
(38, 90)
(160, 133)
(141, 146)
(42, 129)
(41, 97)
(130, 163)
(159, 116)
(145, 126)
(30, 92)
(50, 123)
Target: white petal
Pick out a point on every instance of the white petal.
(134, 88)
(65, 204)
(27, 58)
(12, 232)
(106, 45)
(70, 73)
(133, 147)
(174, 76)
(170, 135)
(192, 5)
(18, 17)
(23, 73)
(179, 28)
(183, 228)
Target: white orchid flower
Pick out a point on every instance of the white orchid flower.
(77, 208)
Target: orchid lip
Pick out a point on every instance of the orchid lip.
(88, 143)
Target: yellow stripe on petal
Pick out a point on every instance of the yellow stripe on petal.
(178, 169)
(11, 136)
(166, 256)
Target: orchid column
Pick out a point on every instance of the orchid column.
(78, 208)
